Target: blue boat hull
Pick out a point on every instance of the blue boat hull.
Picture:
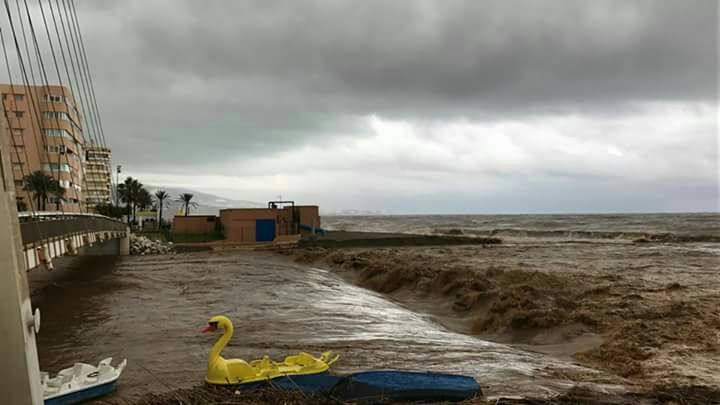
(406, 386)
(379, 385)
(310, 383)
(83, 395)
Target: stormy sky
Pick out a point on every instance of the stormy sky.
(416, 106)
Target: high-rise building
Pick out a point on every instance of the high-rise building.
(98, 176)
(46, 135)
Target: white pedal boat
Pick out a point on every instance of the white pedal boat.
(80, 382)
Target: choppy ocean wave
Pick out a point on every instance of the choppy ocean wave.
(677, 228)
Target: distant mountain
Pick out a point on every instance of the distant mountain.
(208, 204)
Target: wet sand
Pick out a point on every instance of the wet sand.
(648, 313)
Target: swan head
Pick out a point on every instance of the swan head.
(218, 322)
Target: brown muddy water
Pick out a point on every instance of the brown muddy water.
(150, 310)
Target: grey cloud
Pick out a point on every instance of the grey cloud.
(215, 80)
(516, 51)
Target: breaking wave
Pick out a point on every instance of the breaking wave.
(575, 235)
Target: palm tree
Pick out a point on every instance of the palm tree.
(109, 210)
(123, 190)
(185, 200)
(59, 193)
(41, 184)
(130, 192)
(161, 196)
(144, 199)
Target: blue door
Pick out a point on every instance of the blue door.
(264, 230)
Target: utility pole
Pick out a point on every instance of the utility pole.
(20, 374)
(117, 185)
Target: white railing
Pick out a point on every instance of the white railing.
(50, 215)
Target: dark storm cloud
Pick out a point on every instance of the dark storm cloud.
(237, 78)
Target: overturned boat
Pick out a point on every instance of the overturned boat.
(377, 385)
(398, 385)
(81, 382)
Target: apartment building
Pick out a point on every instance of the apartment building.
(46, 135)
(98, 180)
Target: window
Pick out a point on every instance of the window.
(57, 132)
(17, 97)
(56, 148)
(55, 98)
(54, 167)
(19, 183)
(17, 165)
(97, 156)
(56, 115)
(17, 131)
(19, 114)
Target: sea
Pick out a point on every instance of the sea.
(545, 226)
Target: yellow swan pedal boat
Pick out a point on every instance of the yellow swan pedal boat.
(223, 371)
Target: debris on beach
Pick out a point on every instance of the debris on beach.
(209, 395)
(141, 246)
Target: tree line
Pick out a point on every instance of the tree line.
(136, 197)
(131, 192)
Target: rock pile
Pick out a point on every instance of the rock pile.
(141, 245)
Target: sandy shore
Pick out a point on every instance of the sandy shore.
(649, 313)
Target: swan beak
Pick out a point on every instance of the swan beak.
(209, 328)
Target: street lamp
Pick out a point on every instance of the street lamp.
(117, 183)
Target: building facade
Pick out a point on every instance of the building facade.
(252, 225)
(98, 176)
(46, 135)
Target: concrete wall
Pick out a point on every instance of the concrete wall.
(239, 224)
(309, 215)
(284, 222)
(194, 224)
(20, 374)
